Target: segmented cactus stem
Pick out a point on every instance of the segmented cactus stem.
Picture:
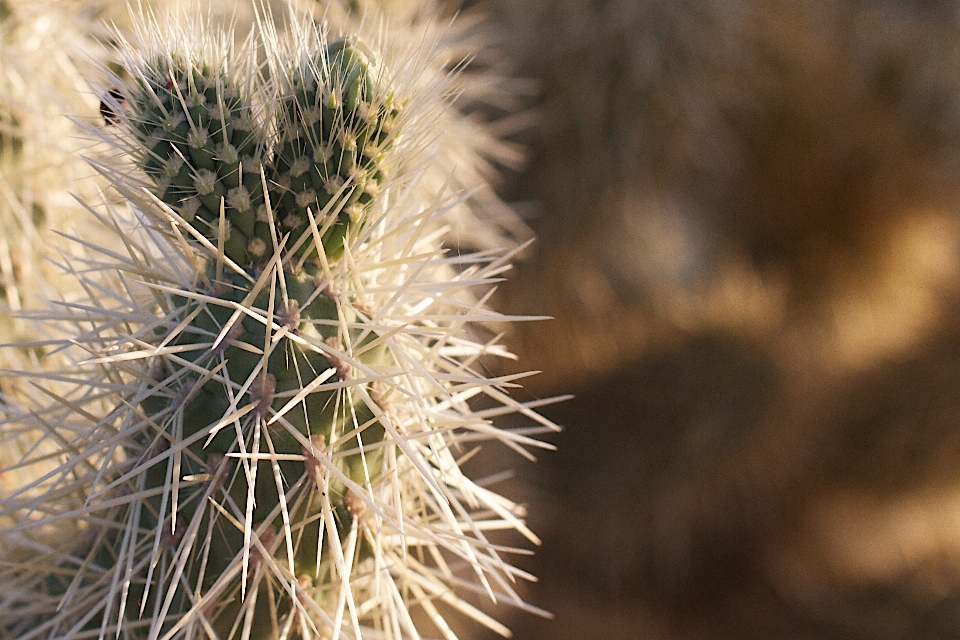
(266, 421)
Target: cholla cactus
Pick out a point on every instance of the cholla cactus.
(39, 82)
(261, 434)
(490, 107)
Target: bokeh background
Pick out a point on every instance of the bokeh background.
(748, 217)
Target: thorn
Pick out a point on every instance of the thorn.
(171, 538)
(311, 462)
(235, 332)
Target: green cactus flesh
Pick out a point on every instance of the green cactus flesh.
(199, 146)
(183, 403)
(335, 132)
(224, 377)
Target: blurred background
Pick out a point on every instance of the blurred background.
(747, 214)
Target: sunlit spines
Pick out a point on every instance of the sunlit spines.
(198, 137)
(337, 123)
(269, 447)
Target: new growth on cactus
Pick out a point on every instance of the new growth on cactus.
(261, 433)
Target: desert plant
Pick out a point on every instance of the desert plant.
(39, 168)
(261, 431)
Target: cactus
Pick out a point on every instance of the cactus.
(39, 165)
(38, 147)
(262, 432)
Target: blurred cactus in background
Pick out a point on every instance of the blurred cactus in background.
(269, 394)
(41, 172)
(39, 147)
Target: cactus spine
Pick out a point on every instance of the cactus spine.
(264, 426)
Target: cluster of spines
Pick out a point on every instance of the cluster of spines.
(335, 129)
(213, 334)
(330, 466)
(186, 399)
(199, 145)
